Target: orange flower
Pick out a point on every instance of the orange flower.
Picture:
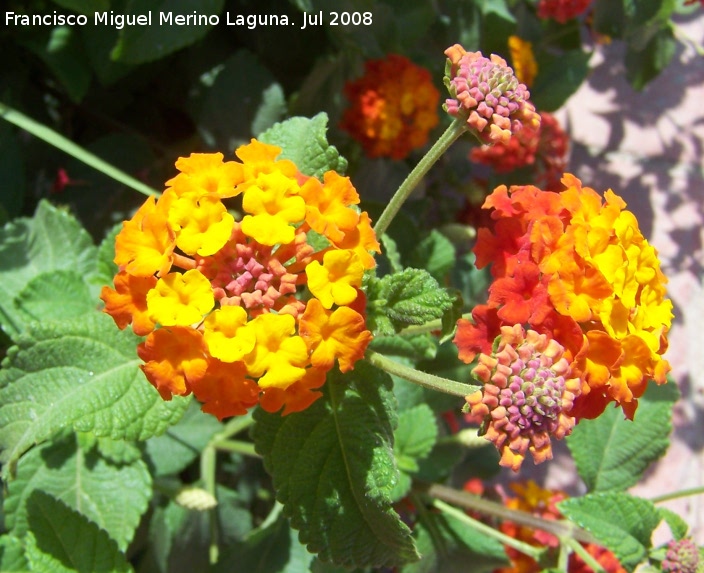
(603, 280)
(393, 107)
(128, 302)
(226, 303)
(523, 60)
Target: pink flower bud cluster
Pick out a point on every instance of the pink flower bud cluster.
(682, 557)
(487, 92)
(526, 397)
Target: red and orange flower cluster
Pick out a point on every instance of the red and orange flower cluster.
(576, 269)
(240, 312)
(393, 107)
(533, 499)
(544, 148)
(562, 10)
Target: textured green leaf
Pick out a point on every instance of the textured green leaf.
(435, 253)
(612, 452)
(414, 438)
(140, 44)
(677, 525)
(55, 295)
(12, 555)
(448, 546)
(106, 267)
(86, 483)
(409, 297)
(333, 470)
(61, 540)
(81, 374)
(418, 346)
(182, 443)
(304, 141)
(52, 240)
(623, 523)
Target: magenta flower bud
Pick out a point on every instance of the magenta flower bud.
(487, 92)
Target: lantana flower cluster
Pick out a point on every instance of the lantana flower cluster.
(576, 268)
(562, 10)
(543, 148)
(246, 311)
(393, 107)
(542, 503)
(486, 92)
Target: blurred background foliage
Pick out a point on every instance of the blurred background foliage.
(142, 96)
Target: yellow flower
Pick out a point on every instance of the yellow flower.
(328, 206)
(523, 60)
(203, 222)
(278, 358)
(335, 281)
(225, 335)
(205, 173)
(273, 204)
(180, 299)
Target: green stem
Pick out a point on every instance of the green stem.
(444, 385)
(456, 128)
(580, 550)
(207, 475)
(677, 494)
(236, 446)
(485, 506)
(428, 326)
(66, 145)
(525, 548)
(467, 438)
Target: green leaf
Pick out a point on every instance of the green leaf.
(612, 452)
(410, 346)
(54, 296)
(559, 76)
(82, 374)
(609, 18)
(224, 125)
(414, 439)
(86, 483)
(436, 254)
(61, 540)
(270, 549)
(12, 172)
(140, 44)
(62, 51)
(87, 7)
(448, 545)
(304, 142)
(271, 110)
(182, 443)
(333, 470)
(12, 555)
(389, 250)
(677, 525)
(623, 523)
(106, 267)
(52, 240)
(401, 299)
(642, 65)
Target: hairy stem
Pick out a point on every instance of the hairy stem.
(424, 379)
(456, 128)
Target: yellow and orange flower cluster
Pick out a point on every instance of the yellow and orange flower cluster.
(533, 499)
(575, 267)
(240, 312)
(393, 107)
